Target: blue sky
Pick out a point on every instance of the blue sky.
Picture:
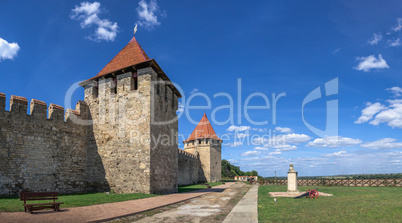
(208, 47)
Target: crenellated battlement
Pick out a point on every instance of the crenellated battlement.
(18, 104)
(43, 145)
(39, 109)
(2, 103)
(190, 155)
(188, 168)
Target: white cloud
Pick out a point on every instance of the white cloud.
(259, 129)
(276, 140)
(237, 128)
(335, 154)
(337, 50)
(237, 143)
(371, 62)
(232, 161)
(396, 42)
(398, 26)
(241, 135)
(8, 50)
(261, 148)
(296, 138)
(180, 108)
(378, 113)
(251, 153)
(88, 13)
(376, 38)
(333, 142)
(285, 147)
(260, 140)
(385, 143)
(392, 115)
(369, 112)
(148, 14)
(194, 91)
(397, 91)
(284, 129)
(267, 159)
(275, 153)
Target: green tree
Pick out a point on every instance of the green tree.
(253, 173)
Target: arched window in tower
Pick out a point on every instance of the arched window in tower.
(134, 81)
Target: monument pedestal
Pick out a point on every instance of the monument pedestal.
(292, 182)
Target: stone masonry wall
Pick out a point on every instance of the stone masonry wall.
(121, 125)
(40, 154)
(164, 128)
(215, 162)
(203, 149)
(135, 131)
(188, 168)
(209, 155)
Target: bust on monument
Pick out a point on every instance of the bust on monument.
(291, 169)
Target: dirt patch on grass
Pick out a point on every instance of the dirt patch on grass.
(285, 194)
(212, 207)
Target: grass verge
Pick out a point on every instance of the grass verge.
(193, 187)
(349, 204)
(8, 204)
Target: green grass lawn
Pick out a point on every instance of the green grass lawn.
(349, 204)
(14, 204)
(193, 187)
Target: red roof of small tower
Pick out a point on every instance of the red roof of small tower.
(131, 54)
(203, 130)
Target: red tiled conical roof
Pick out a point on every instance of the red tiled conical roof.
(131, 57)
(131, 54)
(203, 130)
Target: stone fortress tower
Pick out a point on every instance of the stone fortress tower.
(123, 137)
(127, 100)
(204, 143)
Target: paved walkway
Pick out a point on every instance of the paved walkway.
(246, 209)
(102, 212)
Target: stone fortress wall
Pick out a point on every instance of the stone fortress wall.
(124, 137)
(164, 134)
(189, 167)
(45, 154)
(55, 153)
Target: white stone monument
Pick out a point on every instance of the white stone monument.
(292, 181)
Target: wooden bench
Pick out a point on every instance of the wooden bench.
(40, 196)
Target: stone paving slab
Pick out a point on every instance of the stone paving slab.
(103, 212)
(246, 209)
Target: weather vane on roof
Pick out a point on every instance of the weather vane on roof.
(135, 29)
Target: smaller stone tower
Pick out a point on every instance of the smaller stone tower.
(205, 144)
